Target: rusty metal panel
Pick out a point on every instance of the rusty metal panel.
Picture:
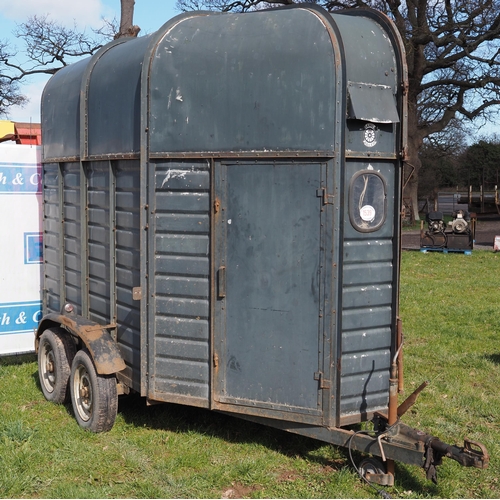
(180, 250)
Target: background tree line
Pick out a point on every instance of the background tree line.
(459, 166)
(452, 55)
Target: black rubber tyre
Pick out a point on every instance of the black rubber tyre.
(56, 351)
(94, 397)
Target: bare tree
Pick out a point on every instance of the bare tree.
(453, 57)
(230, 5)
(10, 93)
(49, 46)
(127, 26)
(440, 157)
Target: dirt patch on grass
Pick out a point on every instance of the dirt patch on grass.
(288, 477)
(238, 490)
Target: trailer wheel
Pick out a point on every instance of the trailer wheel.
(94, 397)
(56, 351)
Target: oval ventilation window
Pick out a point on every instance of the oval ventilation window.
(367, 201)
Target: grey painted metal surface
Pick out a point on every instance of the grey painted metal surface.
(274, 251)
(97, 267)
(253, 85)
(110, 104)
(61, 113)
(179, 316)
(226, 191)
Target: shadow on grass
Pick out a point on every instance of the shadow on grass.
(17, 359)
(184, 419)
(494, 358)
(187, 419)
(409, 479)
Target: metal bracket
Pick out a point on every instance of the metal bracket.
(323, 383)
(410, 400)
(380, 479)
(136, 293)
(327, 199)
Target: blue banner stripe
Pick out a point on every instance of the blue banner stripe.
(17, 317)
(20, 178)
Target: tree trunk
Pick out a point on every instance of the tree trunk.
(410, 193)
(415, 140)
(127, 27)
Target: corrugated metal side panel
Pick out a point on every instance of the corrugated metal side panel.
(72, 235)
(127, 205)
(181, 282)
(51, 237)
(368, 302)
(366, 324)
(99, 242)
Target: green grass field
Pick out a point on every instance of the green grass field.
(451, 317)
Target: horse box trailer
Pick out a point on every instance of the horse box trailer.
(222, 227)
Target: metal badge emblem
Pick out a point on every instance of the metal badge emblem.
(370, 138)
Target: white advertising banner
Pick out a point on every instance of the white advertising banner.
(21, 246)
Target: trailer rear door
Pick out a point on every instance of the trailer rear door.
(269, 259)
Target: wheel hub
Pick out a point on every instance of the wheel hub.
(84, 390)
(49, 372)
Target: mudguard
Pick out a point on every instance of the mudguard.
(97, 339)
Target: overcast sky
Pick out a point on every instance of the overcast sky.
(149, 15)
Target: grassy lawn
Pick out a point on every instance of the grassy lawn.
(450, 305)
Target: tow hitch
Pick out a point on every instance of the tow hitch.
(394, 434)
(406, 444)
(472, 454)
(394, 437)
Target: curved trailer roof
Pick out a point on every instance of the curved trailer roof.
(279, 80)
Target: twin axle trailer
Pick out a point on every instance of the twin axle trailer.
(222, 228)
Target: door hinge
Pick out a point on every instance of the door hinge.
(323, 383)
(221, 282)
(136, 293)
(216, 360)
(327, 199)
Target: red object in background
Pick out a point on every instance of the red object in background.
(25, 133)
(28, 133)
